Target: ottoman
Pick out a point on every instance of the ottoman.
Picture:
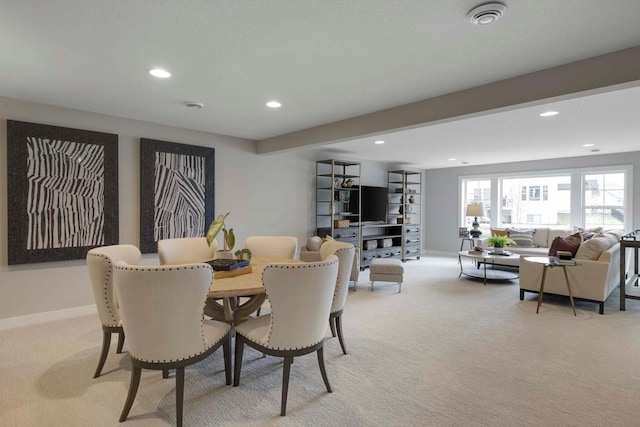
(386, 270)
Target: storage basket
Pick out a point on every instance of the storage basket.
(340, 223)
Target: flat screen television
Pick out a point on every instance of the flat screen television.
(374, 203)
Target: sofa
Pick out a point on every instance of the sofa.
(591, 280)
(538, 245)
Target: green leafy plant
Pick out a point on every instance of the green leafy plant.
(215, 227)
(241, 252)
(500, 241)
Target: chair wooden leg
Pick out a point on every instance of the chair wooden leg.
(332, 326)
(323, 371)
(258, 311)
(226, 349)
(133, 389)
(106, 343)
(338, 320)
(120, 342)
(165, 373)
(286, 369)
(179, 395)
(238, 362)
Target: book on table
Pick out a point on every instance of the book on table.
(222, 264)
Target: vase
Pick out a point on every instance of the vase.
(498, 249)
(222, 254)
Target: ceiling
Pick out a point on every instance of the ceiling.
(326, 62)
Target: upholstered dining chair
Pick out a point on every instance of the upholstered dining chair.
(100, 262)
(185, 250)
(162, 314)
(300, 296)
(345, 253)
(272, 246)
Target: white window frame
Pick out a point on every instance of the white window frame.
(577, 191)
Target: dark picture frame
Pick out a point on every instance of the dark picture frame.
(62, 192)
(176, 191)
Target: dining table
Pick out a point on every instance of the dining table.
(241, 295)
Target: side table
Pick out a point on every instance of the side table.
(472, 243)
(547, 263)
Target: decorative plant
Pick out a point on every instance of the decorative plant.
(240, 253)
(215, 227)
(500, 241)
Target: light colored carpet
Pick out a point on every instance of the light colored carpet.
(444, 352)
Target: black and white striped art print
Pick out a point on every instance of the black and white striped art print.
(63, 192)
(176, 191)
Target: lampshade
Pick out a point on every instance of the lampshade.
(475, 209)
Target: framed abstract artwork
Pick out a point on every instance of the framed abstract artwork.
(62, 192)
(176, 191)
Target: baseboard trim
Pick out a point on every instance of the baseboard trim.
(47, 316)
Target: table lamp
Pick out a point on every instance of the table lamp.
(475, 210)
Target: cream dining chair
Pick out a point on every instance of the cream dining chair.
(162, 310)
(345, 253)
(272, 246)
(285, 247)
(300, 296)
(185, 250)
(100, 262)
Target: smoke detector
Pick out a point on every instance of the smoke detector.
(486, 14)
(194, 105)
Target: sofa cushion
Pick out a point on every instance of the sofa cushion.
(541, 237)
(592, 248)
(314, 243)
(617, 233)
(499, 232)
(521, 237)
(553, 233)
(570, 244)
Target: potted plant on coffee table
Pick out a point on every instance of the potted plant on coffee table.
(499, 242)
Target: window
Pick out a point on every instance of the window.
(477, 191)
(537, 206)
(534, 193)
(595, 197)
(604, 200)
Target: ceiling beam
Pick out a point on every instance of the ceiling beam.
(569, 80)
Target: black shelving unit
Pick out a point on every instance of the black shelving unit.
(336, 182)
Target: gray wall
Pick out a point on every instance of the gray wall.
(266, 194)
(441, 200)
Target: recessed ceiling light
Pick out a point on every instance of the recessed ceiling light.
(548, 113)
(588, 145)
(160, 73)
(451, 159)
(486, 13)
(273, 104)
(379, 142)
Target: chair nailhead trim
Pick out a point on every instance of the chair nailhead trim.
(105, 288)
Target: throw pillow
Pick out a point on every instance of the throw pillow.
(522, 238)
(553, 233)
(593, 248)
(314, 243)
(541, 237)
(327, 238)
(499, 232)
(570, 244)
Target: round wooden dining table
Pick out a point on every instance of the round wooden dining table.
(230, 289)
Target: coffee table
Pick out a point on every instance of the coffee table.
(487, 273)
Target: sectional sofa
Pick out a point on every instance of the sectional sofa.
(594, 279)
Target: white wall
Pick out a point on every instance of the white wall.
(441, 200)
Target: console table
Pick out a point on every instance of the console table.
(628, 241)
